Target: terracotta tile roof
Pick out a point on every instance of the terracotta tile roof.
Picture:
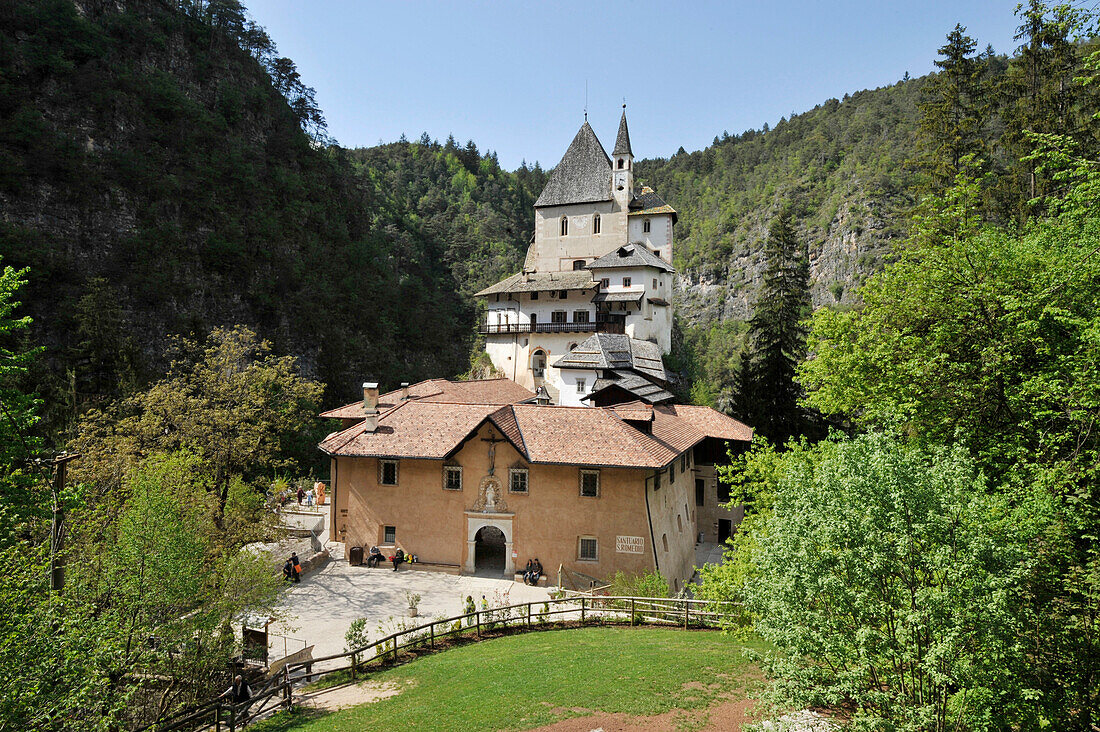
(586, 436)
(413, 429)
(559, 435)
(475, 391)
(709, 421)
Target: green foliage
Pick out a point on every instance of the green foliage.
(887, 579)
(647, 584)
(358, 635)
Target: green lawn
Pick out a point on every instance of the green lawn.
(502, 683)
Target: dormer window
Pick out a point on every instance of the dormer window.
(565, 226)
(645, 226)
(596, 224)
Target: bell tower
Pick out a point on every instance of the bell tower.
(622, 162)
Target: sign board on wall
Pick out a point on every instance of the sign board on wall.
(630, 544)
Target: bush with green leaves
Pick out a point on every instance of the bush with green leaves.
(886, 577)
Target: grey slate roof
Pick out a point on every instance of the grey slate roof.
(636, 384)
(542, 282)
(611, 351)
(618, 297)
(582, 176)
(646, 202)
(630, 255)
(622, 142)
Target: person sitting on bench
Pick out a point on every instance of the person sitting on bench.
(536, 572)
(527, 572)
(375, 557)
(398, 558)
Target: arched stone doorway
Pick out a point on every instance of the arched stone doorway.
(489, 550)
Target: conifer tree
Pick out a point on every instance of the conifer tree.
(778, 332)
(953, 109)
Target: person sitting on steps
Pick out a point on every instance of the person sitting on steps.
(375, 557)
(398, 558)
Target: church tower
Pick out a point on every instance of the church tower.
(622, 159)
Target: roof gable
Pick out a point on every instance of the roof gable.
(630, 255)
(582, 176)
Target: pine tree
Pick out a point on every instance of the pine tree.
(954, 110)
(778, 332)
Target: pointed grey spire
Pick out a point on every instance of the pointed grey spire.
(622, 142)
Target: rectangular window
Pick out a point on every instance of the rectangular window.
(605, 283)
(387, 472)
(657, 481)
(558, 316)
(389, 535)
(580, 386)
(654, 283)
(723, 492)
(563, 294)
(452, 478)
(626, 282)
(588, 549)
(534, 296)
(580, 316)
(590, 483)
(700, 491)
(517, 480)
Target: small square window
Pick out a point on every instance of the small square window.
(626, 282)
(389, 535)
(534, 296)
(588, 549)
(590, 483)
(517, 480)
(580, 386)
(387, 472)
(452, 478)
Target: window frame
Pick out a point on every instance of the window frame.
(605, 283)
(559, 316)
(513, 473)
(585, 316)
(382, 463)
(700, 492)
(389, 534)
(596, 224)
(581, 384)
(580, 550)
(564, 226)
(582, 475)
(449, 470)
(646, 226)
(627, 281)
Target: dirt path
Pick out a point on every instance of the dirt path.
(350, 695)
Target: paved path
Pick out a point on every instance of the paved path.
(320, 608)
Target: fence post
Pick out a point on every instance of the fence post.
(477, 618)
(395, 649)
(431, 629)
(528, 615)
(632, 615)
(289, 689)
(232, 717)
(582, 610)
(218, 717)
(354, 665)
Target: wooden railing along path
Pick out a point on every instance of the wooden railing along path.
(220, 715)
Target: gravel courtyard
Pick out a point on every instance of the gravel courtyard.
(319, 610)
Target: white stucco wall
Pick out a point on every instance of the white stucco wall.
(567, 380)
(659, 238)
(552, 252)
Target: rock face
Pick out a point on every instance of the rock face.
(853, 245)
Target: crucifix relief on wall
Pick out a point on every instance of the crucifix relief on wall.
(492, 439)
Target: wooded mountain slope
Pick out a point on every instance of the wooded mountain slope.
(156, 182)
(842, 165)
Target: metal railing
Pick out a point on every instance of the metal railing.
(568, 612)
(599, 326)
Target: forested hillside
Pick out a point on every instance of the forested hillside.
(157, 178)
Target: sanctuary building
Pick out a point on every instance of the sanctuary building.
(577, 455)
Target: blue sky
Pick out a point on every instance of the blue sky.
(511, 75)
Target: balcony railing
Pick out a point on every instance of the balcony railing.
(609, 326)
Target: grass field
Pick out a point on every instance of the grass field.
(529, 680)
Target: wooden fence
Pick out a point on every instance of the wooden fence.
(575, 611)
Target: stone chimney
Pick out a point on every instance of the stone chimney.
(370, 406)
(404, 391)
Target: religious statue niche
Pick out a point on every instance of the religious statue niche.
(489, 496)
